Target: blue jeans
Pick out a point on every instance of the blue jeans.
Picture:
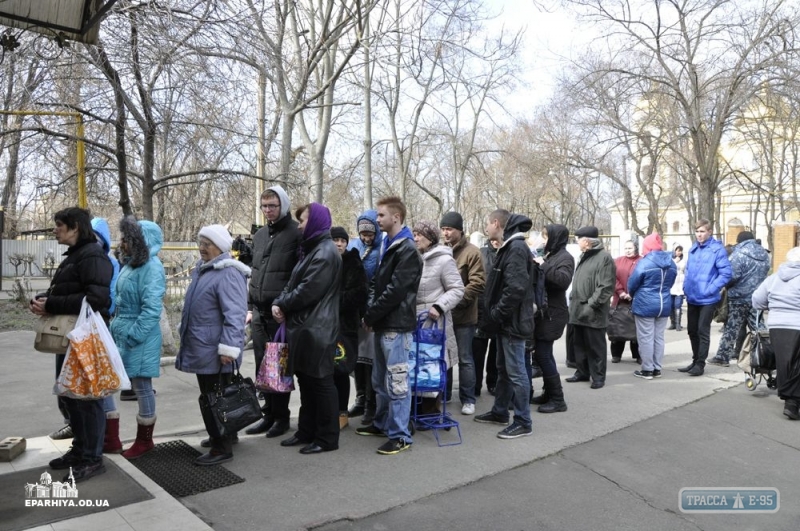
(144, 396)
(390, 381)
(466, 363)
(513, 384)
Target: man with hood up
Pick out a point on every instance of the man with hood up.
(274, 257)
(592, 288)
(368, 245)
(749, 266)
(508, 315)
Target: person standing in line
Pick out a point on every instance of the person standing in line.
(780, 294)
(750, 266)
(508, 316)
(592, 288)
(309, 305)
(484, 346)
(465, 314)
(368, 246)
(351, 305)
(650, 285)
(708, 270)
(558, 267)
(622, 299)
(677, 290)
(274, 257)
(392, 314)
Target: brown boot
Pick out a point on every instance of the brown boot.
(343, 420)
(111, 442)
(144, 438)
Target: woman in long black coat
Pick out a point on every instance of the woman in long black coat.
(558, 266)
(310, 307)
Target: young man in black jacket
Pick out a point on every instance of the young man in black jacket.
(508, 314)
(392, 313)
(274, 257)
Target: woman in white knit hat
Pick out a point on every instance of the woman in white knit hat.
(780, 294)
(212, 324)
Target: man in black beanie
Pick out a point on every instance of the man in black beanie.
(465, 314)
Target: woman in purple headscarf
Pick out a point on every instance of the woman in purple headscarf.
(309, 305)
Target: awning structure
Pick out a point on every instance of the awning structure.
(68, 19)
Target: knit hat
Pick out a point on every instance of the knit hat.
(745, 235)
(366, 225)
(587, 232)
(429, 229)
(793, 255)
(452, 220)
(339, 232)
(218, 235)
(652, 243)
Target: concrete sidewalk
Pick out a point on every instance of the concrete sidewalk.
(286, 490)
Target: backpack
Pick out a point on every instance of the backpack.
(539, 293)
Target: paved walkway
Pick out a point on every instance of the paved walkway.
(286, 490)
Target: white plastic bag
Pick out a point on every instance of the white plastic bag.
(93, 367)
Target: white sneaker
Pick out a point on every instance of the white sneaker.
(468, 409)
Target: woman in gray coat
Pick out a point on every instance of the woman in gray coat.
(212, 323)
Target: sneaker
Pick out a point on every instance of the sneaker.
(656, 373)
(85, 471)
(69, 459)
(491, 418)
(647, 375)
(719, 361)
(393, 446)
(514, 431)
(468, 409)
(370, 430)
(128, 395)
(62, 433)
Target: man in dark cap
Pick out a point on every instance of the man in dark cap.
(749, 265)
(592, 288)
(465, 315)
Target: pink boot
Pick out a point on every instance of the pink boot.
(144, 438)
(111, 442)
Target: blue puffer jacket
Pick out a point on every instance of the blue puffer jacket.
(212, 324)
(139, 296)
(750, 266)
(649, 285)
(368, 259)
(103, 233)
(708, 270)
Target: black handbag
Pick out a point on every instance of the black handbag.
(232, 407)
(762, 355)
(621, 324)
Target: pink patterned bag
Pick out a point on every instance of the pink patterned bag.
(272, 375)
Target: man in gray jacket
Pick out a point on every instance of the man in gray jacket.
(592, 288)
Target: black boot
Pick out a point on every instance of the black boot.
(542, 398)
(555, 392)
(791, 409)
(678, 313)
(370, 404)
(672, 320)
(358, 407)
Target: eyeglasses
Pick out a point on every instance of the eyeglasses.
(203, 244)
(270, 206)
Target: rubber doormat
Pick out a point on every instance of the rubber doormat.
(171, 465)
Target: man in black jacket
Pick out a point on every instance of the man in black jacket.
(274, 257)
(392, 313)
(508, 313)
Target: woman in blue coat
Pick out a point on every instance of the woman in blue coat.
(139, 297)
(649, 285)
(212, 324)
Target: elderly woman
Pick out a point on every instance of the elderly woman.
(440, 289)
(139, 296)
(85, 272)
(622, 299)
(212, 325)
(780, 294)
(309, 305)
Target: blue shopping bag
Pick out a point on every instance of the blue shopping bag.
(426, 354)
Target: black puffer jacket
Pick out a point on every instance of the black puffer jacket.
(509, 294)
(274, 257)
(354, 293)
(310, 302)
(559, 266)
(393, 294)
(85, 272)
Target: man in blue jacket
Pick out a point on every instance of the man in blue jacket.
(708, 270)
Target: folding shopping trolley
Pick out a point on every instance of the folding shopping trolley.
(757, 358)
(427, 373)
